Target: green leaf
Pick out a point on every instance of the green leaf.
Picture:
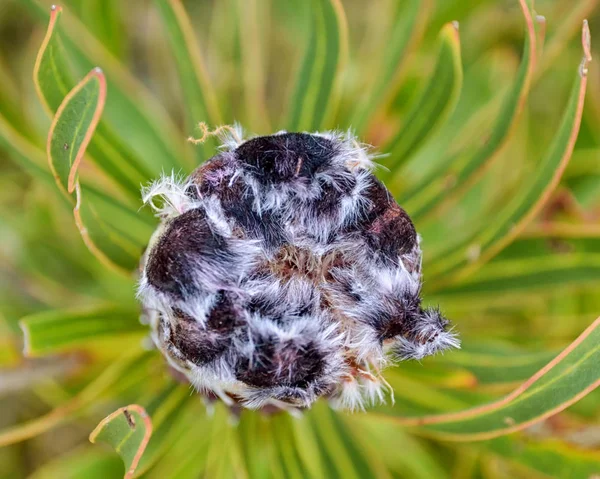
(256, 441)
(414, 461)
(406, 24)
(73, 126)
(563, 31)
(342, 456)
(11, 102)
(82, 463)
(180, 460)
(106, 381)
(171, 415)
(414, 396)
(56, 330)
(27, 156)
(455, 175)
(570, 376)
(436, 103)
(69, 135)
(197, 93)
(252, 20)
(128, 431)
(483, 364)
(562, 230)
(549, 457)
(529, 198)
(287, 448)
(51, 71)
(139, 226)
(316, 94)
(545, 273)
(53, 80)
(221, 458)
(106, 243)
(102, 17)
(137, 126)
(134, 224)
(496, 364)
(308, 448)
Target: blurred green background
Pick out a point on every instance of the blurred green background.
(511, 238)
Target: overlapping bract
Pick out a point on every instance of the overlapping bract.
(283, 270)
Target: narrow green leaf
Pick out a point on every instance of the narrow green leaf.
(27, 156)
(344, 455)
(83, 462)
(404, 455)
(197, 92)
(181, 461)
(256, 439)
(137, 126)
(436, 103)
(407, 17)
(139, 225)
(496, 364)
(563, 230)
(51, 71)
(570, 376)
(414, 397)
(53, 80)
(111, 375)
(105, 242)
(454, 176)
(11, 102)
(136, 225)
(549, 457)
(170, 416)
(530, 197)
(219, 459)
(521, 276)
(316, 93)
(563, 32)
(128, 431)
(308, 447)
(73, 126)
(57, 330)
(483, 364)
(287, 448)
(69, 135)
(252, 21)
(102, 17)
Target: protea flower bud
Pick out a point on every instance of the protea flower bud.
(283, 270)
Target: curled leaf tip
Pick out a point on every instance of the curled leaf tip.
(586, 41)
(130, 443)
(456, 25)
(540, 19)
(53, 7)
(98, 70)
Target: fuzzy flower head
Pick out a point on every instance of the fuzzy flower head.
(283, 270)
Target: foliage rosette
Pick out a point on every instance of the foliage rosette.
(484, 141)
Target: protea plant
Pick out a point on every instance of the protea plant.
(235, 233)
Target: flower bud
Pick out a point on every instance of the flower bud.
(283, 271)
